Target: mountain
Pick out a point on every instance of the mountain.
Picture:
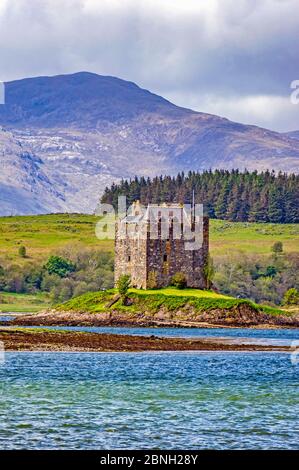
(83, 131)
(22, 180)
(82, 101)
(293, 134)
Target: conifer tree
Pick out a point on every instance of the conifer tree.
(230, 195)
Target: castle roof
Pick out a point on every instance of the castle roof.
(141, 214)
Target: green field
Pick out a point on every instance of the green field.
(22, 302)
(45, 234)
(252, 238)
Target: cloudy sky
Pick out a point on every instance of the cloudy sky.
(235, 58)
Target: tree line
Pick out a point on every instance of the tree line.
(229, 195)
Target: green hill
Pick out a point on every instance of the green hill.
(45, 234)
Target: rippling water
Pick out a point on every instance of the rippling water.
(149, 400)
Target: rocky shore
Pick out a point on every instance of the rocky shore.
(240, 316)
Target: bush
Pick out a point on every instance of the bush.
(291, 297)
(209, 271)
(63, 292)
(81, 288)
(22, 251)
(49, 282)
(271, 271)
(33, 277)
(277, 248)
(179, 280)
(60, 266)
(123, 285)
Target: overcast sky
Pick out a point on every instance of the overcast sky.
(234, 58)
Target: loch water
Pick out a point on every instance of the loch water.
(175, 400)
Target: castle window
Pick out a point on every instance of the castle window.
(165, 258)
(129, 258)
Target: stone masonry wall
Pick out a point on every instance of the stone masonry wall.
(130, 258)
(141, 257)
(167, 257)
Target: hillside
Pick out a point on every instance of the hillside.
(293, 134)
(45, 234)
(22, 180)
(84, 131)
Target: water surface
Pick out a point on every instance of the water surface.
(6, 318)
(149, 400)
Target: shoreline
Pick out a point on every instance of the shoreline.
(39, 340)
(56, 318)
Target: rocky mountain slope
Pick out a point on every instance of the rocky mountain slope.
(293, 134)
(80, 132)
(23, 181)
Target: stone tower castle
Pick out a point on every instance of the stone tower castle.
(156, 242)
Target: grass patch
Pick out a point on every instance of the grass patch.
(91, 302)
(172, 291)
(26, 303)
(170, 299)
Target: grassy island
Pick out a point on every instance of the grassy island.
(161, 307)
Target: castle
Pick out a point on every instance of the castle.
(154, 243)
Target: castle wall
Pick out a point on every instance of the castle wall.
(144, 258)
(167, 257)
(130, 257)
